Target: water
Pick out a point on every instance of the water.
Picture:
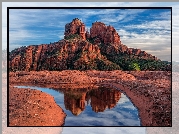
(96, 107)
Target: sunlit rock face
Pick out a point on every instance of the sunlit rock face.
(106, 34)
(75, 27)
(59, 56)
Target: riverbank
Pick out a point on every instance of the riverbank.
(149, 91)
(29, 107)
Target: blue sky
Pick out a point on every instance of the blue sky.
(146, 29)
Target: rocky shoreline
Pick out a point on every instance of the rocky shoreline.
(29, 107)
(149, 91)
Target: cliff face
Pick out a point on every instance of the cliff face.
(106, 34)
(75, 27)
(62, 55)
(81, 50)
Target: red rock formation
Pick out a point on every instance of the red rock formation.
(75, 27)
(37, 57)
(98, 29)
(76, 53)
(28, 58)
(15, 62)
(107, 34)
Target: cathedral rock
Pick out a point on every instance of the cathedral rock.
(99, 30)
(97, 49)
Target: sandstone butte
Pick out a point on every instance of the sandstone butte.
(59, 63)
(100, 49)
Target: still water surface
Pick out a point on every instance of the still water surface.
(98, 107)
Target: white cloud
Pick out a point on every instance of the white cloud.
(123, 99)
(123, 16)
(163, 24)
(155, 38)
(107, 118)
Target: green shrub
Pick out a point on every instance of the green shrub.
(134, 66)
(72, 36)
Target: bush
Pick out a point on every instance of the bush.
(134, 66)
(106, 65)
(72, 36)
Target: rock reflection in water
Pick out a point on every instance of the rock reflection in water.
(91, 105)
(99, 99)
